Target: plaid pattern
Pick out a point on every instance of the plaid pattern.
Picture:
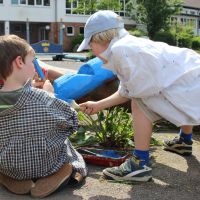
(34, 132)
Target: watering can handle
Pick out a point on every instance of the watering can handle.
(39, 71)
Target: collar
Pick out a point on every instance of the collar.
(107, 53)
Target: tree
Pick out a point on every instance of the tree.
(153, 13)
(92, 6)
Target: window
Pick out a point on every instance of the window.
(70, 30)
(122, 12)
(46, 2)
(18, 28)
(173, 19)
(38, 2)
(1, 1)
(1, 28)
(14, 1)
(191, 22)
(70, 6)
(31, 2)
(22, 1)
(184, 21)
(74, 4)
(192, 12)
(81, 30)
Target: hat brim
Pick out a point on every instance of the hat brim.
(84, 44)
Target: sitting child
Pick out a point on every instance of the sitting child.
(34, 129)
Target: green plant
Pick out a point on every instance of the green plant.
(165, 36)
(77, 40)
(90, 55)
(113, 127)
(82, 138)
(136, 32)
(196, 43)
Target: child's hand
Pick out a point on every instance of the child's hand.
(37, 84)
(48, 87)
(90, 107)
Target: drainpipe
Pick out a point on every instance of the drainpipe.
(198, 24)
(56, 28)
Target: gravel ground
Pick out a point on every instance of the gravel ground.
(174, 176)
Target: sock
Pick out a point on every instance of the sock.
(143, 155)
(185, 137)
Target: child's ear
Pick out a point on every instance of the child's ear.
(18, 61)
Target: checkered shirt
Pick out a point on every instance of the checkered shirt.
(34, 136)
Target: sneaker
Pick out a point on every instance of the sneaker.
(130, 171)
(49, 184)
(184, 148)
(16, 186)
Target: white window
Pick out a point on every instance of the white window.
(18, 28)
(122, 12)
(74, 4)
(46, 2)
(184, 21)
(173, 19)
(70, 30)
(189, 22)
(38, 2)
(81, 30)
(70, 6)
(31, 2)
(14, 1)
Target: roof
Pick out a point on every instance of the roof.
(192, 3)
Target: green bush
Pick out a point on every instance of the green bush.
(90, 55)
(136, 32)
(196, 43)
(184, 40)
(166, 37)
(77, 40)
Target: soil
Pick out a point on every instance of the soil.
(175, 177)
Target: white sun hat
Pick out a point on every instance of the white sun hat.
(100, 21)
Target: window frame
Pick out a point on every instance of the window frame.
(35, 3)
(20, 28)
(83, 30)
(70, 34)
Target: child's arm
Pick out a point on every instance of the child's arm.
(48, 87)
(54, 74)
(94, 107)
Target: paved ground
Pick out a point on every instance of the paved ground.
(175, 177)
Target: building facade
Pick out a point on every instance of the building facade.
(45, 16)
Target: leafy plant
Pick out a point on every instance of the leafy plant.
(196, 43)
(165, 36)
(112, 127)
(81, 138)
(90, 55)
(136, 32)
(77, 40)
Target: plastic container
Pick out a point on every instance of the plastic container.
(99, 156)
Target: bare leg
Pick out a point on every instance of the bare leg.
(142, 128)
(186, 129)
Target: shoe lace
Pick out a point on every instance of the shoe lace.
(137, 159)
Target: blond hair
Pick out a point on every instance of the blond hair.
(12, 46)
(107, 35)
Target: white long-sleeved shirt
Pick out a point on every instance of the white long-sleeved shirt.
(156, 72)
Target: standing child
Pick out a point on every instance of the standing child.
(34, 128)
(163, 82)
